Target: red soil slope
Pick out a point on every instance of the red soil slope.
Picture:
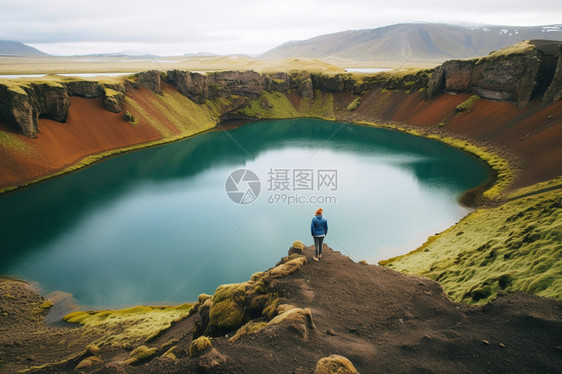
(89, 130)
(532, 134)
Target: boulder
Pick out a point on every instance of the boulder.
(112, 103)
(128, 116)
(335, 364)
(211, 360)
(200, 346)
(141, 354)
(296, 248)
(89, 362)
(296, 321)
(113, 99)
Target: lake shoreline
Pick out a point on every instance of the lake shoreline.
(471, 198)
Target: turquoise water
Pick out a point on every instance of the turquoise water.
(157, 226)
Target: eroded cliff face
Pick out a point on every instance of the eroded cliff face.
(22, 106)
(250, 84)
(517, 74)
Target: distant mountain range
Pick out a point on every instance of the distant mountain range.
(11, 48)
(414, 41)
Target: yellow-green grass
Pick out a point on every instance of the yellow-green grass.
(142, 113)
(467, 104)
(518, 48)
(19, 85)
(549, 184)
(354, 104)
(189, 117)
(13, 142)
(513, 247)
(126, 327)
(271, 105)
(77, 65)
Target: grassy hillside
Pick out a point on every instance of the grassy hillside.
(516, 246)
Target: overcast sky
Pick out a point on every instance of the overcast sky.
(173, 27)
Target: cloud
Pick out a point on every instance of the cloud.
(249, 26)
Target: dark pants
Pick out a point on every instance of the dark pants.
(318, 245)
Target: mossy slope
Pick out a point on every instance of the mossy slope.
(126, 327)
(512, 247)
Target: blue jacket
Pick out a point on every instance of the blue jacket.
(319, 226)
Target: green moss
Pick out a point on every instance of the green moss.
(235, 291)
(187, 116)
(298, 245)
(14, 142)
(200, 346)
(354, 104)
(278, 106)
(335, 364)
(249, 328)
(46, 304)
(513, 247)
(466, 105)
(270, 311)
(225, 316)
(109, 92)
(141, 354)
(142, 113)
(216, 107)
(127, 326)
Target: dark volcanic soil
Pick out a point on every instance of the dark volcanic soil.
(381, 320)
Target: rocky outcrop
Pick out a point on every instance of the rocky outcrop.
(554, 92)
(84, 88)
(333, 83)
(22, 106)
(228, 84)
(200, 87)
(150, 80)
(251, 306)
(516, 74)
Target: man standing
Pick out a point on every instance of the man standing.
(318, 229)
